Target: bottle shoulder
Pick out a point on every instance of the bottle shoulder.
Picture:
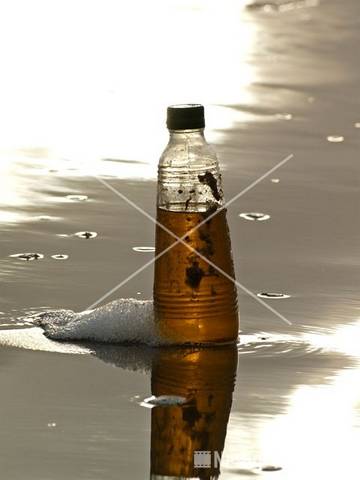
(188, 152)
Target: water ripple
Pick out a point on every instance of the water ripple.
(273, 345)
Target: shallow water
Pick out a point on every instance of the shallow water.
(275, 81)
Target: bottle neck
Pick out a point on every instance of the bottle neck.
(193, 136)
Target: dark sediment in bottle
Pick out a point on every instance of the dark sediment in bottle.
(194, 302)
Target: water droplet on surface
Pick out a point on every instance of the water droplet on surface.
(335, 138)
(60, 256)
(86, 235)
(144, 249)
(77, 198)
(273, 295)
(28, 256)
(271, 468)
(275, 180)
(254, 216)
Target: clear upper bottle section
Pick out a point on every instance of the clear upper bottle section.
(189, 178)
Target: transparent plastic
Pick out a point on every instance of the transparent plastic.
(193, 301)
(188, 176)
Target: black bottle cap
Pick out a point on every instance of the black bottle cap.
(185, 117)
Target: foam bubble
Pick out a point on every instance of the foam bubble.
(335, 138)
(86, 235)
(60, 256)
(273, 295)
(77, 198)
(271, 468)
(121, 321)
(144, 249)
(254, 216)
(27, 256)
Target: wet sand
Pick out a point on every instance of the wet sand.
(282, 83)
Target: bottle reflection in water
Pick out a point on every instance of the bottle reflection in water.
(194, 302)
(205, 377)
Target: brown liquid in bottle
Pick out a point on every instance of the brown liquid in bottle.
(194, 303)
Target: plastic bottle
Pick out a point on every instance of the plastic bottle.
(194, 302)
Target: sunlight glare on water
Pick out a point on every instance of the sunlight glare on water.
(315, 436)
(108, 69)
(317, 427)
(345, 340)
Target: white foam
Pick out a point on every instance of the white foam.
(121, 321)
(34, 339)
